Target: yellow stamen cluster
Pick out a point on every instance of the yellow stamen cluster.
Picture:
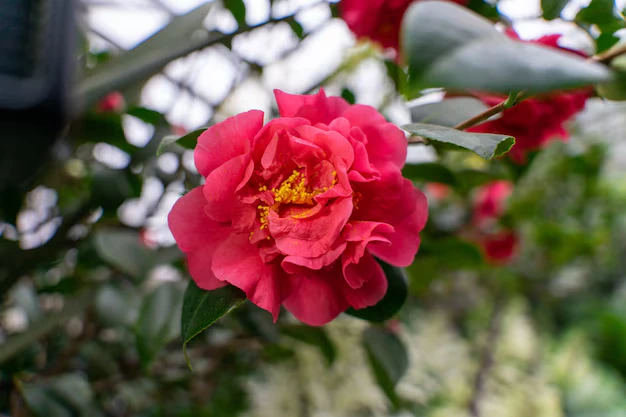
(293, 190)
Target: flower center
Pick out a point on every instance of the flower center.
(294, 190)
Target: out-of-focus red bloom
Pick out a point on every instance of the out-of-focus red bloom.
(179, 130)
(535, 121)
(112, 103)
(293, 212)
(437, 191)
(378, 20)
(498, 245)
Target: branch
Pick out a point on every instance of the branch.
(487, 359)
(607, 56)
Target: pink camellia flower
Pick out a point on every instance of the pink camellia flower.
(378, 20)
(536, 121)
(294, 212)
(498, 245)
(112, 102)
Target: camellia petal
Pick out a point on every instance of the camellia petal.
(292, 212)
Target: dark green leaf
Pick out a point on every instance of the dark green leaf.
(348, 95)
(173, 41)
(67, 395)
(486, 145)
(203, 308)
(109, 187)
(431, 30)
(158, 321)
(315, 336)
(144, 114)
(238, 9)
(388, 359)
(552, 8)
(430, 172)
(605, 41)
(394, 299)
(452, 252)
(598, 12)
(485, 8)
(117, 306)
(508, 65)
(449, 112)
(124, 250)
(188, 141)
(297, 28)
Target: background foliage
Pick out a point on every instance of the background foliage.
(92, 289)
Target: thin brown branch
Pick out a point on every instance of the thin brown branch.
(607, 56)
(487, 359)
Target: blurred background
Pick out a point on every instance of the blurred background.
(91, 282)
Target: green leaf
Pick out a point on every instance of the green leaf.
(486, 145)
(507, 65)
(315, 336)
(616, 89)
(598, 12)
(452, 252)
(394, 299)
(117, 305)
(449, 112)
(144, 114)
(431, 172)
(66, 395)
(449, 46)
(238, 10)
(552, 8)
(123, 249)
(203, 308)
(431, 30)
(296, 28)
(158, 322)
(348, 95)
(388, 359)
(188, 141)
(173, 41)
(109, 187)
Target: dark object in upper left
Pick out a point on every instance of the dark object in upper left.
(37, 39)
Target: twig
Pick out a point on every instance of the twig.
(487, 359)
(606, 56)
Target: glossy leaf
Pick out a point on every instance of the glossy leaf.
(486, 145)
(66, 395)
(315, 336)
(449, 112)
(439, 38)
(598, 12)
(238, 10)
(507, 65)
(158, 322)
(552, 8)
(124, 250)
(296, 28)
(172, 42)
(431, 30)
(188, 141)
(388, 359)
(203, 308)
(431, 172)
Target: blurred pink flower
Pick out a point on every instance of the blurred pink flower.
(499, 245)
(378, 20)
(111, 103)
(292, 212)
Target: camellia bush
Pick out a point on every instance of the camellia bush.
(329, 257)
